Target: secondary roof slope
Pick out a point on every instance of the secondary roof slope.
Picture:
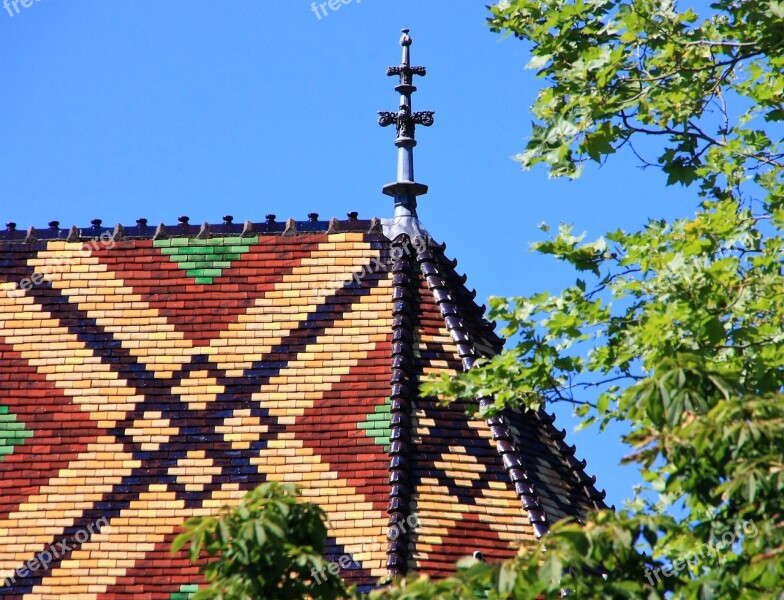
(149, 374)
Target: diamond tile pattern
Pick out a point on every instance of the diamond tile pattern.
(145, 381)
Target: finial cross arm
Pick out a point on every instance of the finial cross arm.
(407, 71)
(405, 121)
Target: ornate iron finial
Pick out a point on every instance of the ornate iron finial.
(405, 190)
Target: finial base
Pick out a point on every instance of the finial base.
(410, 189)
(404, 223)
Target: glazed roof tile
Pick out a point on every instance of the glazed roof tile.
(152, 373)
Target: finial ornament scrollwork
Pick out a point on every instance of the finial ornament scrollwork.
(404, 119)
(405, 189)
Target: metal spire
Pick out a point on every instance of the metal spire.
(405, 190)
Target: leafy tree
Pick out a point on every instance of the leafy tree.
(677, 329)
(267, 546)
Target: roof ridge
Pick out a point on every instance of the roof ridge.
(502, 436)
(468, 296)
(403, 388)
(576, 467)
(228, 228)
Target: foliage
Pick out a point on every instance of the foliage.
(264, 547)
(619, 71)
(677, 329)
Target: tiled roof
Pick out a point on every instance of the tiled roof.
(150, 373)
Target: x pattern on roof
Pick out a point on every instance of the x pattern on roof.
(146, 380)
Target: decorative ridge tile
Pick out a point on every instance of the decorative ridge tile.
(404, 390)
(228, 228)
(576, 467)
(456, 284)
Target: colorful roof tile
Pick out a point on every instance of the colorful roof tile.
(148, 374)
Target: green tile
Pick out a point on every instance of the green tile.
(185, 592)
(376, 424)
(240, 241)
(199, 250)
(12, 432)
(205, 260)
(18, 434)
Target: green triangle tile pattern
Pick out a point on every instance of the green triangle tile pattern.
(185, 592)
(205, 260)
(376, 425)
(12, 432)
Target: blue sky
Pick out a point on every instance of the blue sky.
(126, 109)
